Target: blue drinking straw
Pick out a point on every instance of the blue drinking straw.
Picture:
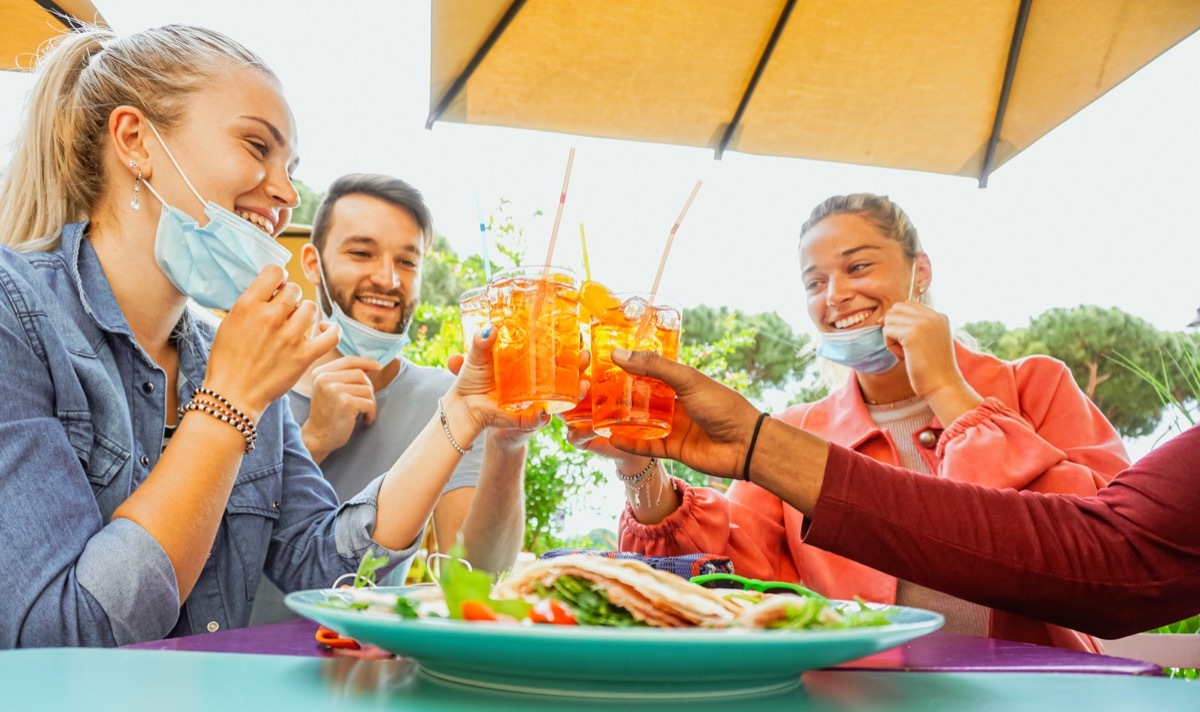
(487, 263)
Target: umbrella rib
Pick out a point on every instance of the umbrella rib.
(67, 19)
(1010, 70)
(758, 72)
(480, 54)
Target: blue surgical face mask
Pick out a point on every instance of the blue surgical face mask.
(863, 350)
(358, 339)
(213, 264)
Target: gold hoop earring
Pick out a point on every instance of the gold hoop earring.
(137, 187)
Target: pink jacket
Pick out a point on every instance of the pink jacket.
(1035, 430)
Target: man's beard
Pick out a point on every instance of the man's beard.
(346, 301)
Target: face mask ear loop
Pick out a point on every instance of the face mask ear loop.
(912, 280)
(328, 306)
(203, 202)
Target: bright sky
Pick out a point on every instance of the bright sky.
(1100, 211)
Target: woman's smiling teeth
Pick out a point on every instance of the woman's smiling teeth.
(258, 221)
(851, 320)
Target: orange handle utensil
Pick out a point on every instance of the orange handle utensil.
(333, 639)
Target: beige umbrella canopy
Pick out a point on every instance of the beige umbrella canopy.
(26, 24)
(945, 86)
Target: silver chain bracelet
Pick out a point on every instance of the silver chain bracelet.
(446, 428)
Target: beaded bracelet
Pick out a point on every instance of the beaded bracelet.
(221, 399)
(631, 480)
(246, 428)
(446, 428)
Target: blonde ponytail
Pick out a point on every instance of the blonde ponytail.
(56, 174)
(46, 186)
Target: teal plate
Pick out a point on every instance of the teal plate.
(615, 663)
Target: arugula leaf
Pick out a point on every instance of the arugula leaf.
(590, 606)
(461, 584)
(365, 575)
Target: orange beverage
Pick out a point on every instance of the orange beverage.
(583, 410)
(594, 299)
(536, 313)
(637, 406)
(474, 313)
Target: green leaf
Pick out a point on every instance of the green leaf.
(590, 606)
(461, 584)
(365, 576)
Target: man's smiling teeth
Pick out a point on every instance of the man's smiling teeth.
(851, 320)
(258, 221)
(387, 303)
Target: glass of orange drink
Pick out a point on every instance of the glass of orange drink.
(475, 314)
(536, 313)
(594, 298)
(622, 403)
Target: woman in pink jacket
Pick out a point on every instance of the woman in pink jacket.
(915, 398)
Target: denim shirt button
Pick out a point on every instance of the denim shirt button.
(145, 460)
(213, 626)
(275, 504)
(147, 387)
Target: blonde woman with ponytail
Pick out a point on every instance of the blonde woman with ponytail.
(915, 398)
(149, 471)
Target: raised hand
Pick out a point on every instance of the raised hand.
(262, 346)
(921, 338)
(476, 389)
(712, 426)
(341, 392)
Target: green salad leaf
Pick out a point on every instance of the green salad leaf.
(461, 584)
(590, 606)
(365, 576)
(820, 614)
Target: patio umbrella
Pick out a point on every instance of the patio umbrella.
(26, 24)
(945, 86)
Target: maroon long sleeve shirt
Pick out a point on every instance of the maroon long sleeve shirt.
(1120, 562)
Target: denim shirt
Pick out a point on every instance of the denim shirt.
(82, 412)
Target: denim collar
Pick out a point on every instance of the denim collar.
(94, 290)
(96, 295)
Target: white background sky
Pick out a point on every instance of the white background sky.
(1102, 211)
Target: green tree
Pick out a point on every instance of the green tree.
(763, 347)
(1088, 339)
(309, 199)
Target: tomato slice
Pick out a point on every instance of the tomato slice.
(552, 611)
(480, 611)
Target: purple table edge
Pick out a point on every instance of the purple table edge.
(937, 652)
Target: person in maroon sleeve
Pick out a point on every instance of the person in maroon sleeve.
(1121, 561)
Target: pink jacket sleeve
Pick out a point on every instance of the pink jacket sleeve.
(1058, 442)
(747, 526)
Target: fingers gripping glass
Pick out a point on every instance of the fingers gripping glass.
(747, 584)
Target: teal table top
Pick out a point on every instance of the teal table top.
(131, 680)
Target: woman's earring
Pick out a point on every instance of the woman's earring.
(137, 187)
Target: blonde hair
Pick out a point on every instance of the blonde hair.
(56, 174)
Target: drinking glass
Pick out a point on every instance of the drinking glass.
(622, 403)
(536, 313)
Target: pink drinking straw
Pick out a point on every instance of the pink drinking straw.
(641, 332)
(562, 201)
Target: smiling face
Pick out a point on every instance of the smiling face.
(237, 146)
(852, 273)
(372, 261)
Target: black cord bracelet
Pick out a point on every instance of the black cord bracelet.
(753, 439)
